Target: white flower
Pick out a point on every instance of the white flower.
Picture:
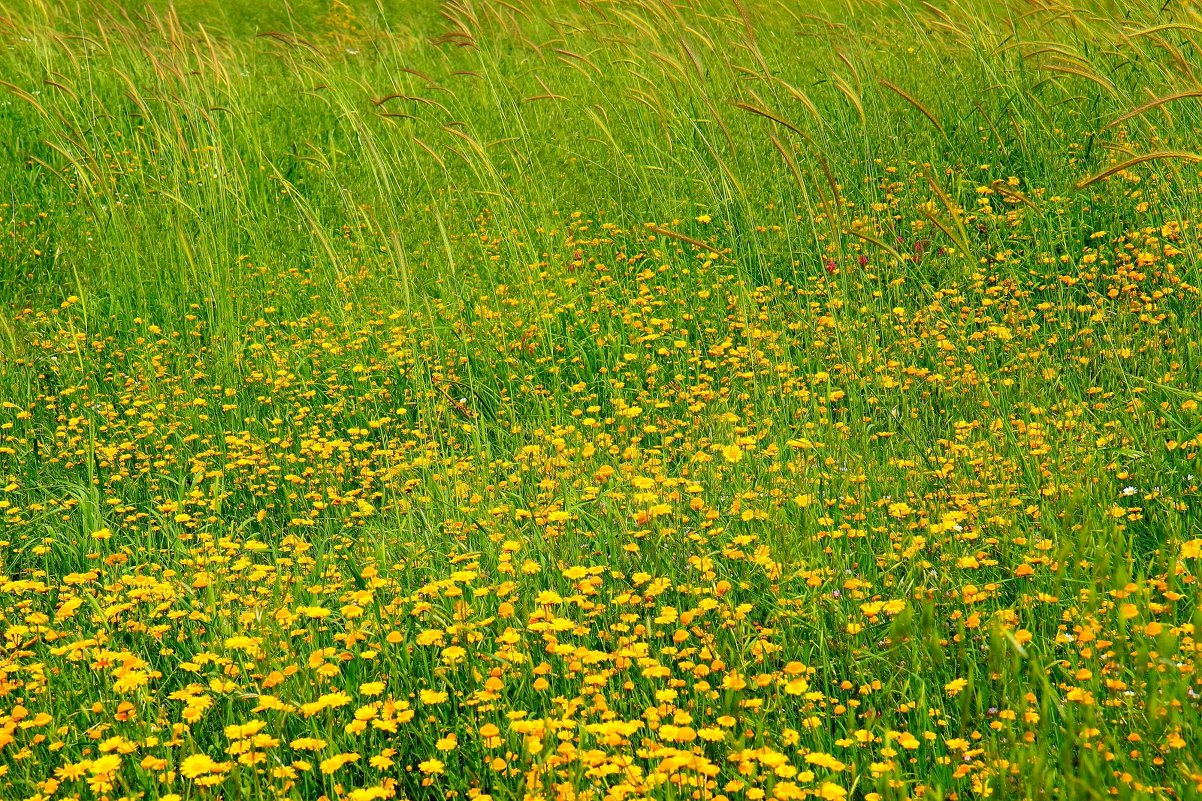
(1128, 491)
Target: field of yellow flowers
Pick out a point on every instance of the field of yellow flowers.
(600, 400)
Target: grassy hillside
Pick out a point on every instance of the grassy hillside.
(600, 400)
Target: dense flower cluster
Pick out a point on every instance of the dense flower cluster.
(373, 577)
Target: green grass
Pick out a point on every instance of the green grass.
(751, 400)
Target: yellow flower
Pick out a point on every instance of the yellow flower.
(105, 764)
(198, 765)
(130, 680)
(955, 686)
(433, 697)
(332, 764)
(70, 772)
(237, 732)
(825, 761)
(797, 686)
(307, 744)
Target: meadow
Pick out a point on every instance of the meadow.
(600, 400)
